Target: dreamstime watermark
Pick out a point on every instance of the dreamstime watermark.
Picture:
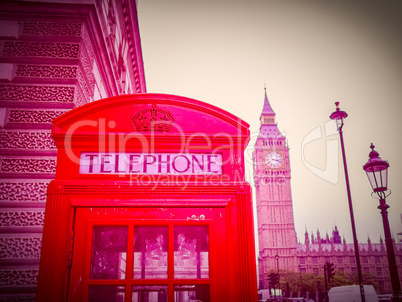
(330, 172)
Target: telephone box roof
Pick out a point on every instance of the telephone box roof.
(175, 114)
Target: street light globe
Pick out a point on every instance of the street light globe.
(377, 171)
(338, 116)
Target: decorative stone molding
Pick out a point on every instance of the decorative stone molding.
(22, 219)
(26, 140)
(87, 68)
(79, 100)
(134, 44)
(47, 71)
(28, 165)
(33, 116)
(20, 248)
(41, 49)
(111, 20)
(88, 91)
(51, 29)
(87, 58)
(18, 278)
(19, 93)
(88, 45)
(23, 191)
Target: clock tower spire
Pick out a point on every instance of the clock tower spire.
(276, 231)
(267, 115)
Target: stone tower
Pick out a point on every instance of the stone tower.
(276, 231)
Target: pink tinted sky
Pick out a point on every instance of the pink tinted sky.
(310, 54)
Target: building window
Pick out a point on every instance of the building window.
(315, 260)
(366, 269)
(377, 259)
(327, 259)
(340, 260)
(379, 271)
(364, 259)
(352, 260)
(302, 260)
(354, 270)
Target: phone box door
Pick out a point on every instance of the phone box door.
(149, 254)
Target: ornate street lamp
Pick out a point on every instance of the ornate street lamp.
(377, 173)
(339, 116)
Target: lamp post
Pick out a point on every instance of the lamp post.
(301, 280)
(377, 170)
(339, 116)
(277, 263)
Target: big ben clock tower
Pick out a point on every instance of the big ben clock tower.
(276, 231)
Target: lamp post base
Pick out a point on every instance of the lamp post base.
(393, 268)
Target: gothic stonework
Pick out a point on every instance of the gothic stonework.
(46, 71)
(26, 140)
(317, 250)
(22, 219)
(18, 278)
(20, 248)
(19, 93)
(28, 165)
(51, 29)
(23, 191)
(41, 49)
(33, 116)
(276, 231)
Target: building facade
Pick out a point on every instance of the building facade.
(276, 232)
(316, 251)
(54, 56)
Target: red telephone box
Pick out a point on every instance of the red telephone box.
(149, 203)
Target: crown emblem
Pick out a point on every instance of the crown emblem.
(153, 119)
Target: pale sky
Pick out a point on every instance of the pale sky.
(309, 54)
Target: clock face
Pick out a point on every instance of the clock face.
(274, 159)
